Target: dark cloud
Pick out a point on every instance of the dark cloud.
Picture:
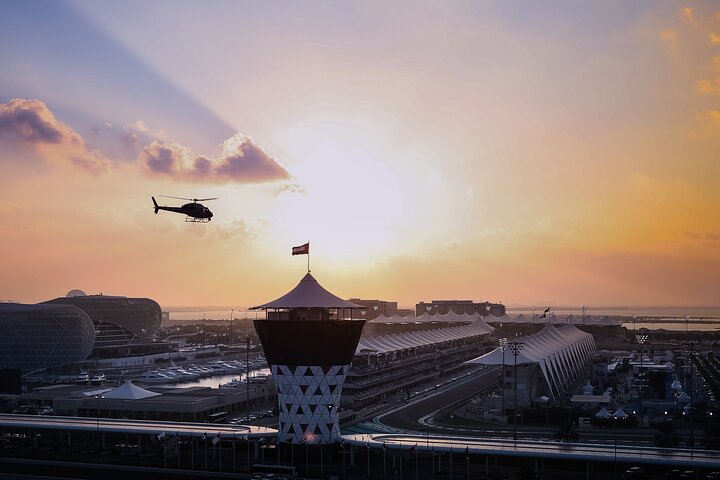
(242, 161)
(30, 121)
(162, 158)
(30, 124)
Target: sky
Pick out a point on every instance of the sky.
(530, 153)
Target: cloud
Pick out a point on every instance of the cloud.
(714, 38)
(669, 36)
(711, 117)
(708, 86)
(290, 188)
(242, 161)
(687, 14)
(31, 125)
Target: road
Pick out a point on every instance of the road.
(407, 418)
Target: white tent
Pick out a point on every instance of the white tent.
(129, 391)
(603, 413)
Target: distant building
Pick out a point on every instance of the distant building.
(123, 326)
(441, 307)
(37, 337)
(373, 308)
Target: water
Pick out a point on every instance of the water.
(216, 380)
(660, 312)
(652, 318)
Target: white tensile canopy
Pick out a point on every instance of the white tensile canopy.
(560, 352)
(129, 391)
(603, 413)
(401, 341)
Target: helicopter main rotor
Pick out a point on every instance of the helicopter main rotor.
(190, 199)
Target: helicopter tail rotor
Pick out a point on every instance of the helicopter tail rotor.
(156, 205)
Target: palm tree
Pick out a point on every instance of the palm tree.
(666, 436)
(566, 432)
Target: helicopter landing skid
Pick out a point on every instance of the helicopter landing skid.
(196, 220)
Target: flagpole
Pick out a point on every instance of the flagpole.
(308, 257)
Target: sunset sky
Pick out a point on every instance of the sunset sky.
(516, 151)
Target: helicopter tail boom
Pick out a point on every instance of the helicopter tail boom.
(156, 205)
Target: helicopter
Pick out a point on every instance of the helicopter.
(196, 212)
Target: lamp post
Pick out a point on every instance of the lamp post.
(231, 330)
(690, 348)
(641, 339)
(97, 419)
(247, 375)
(515, 347)
(503, 346)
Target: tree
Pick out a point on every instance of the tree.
(566, 432)
(666, 436)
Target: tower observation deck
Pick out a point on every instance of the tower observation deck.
(309, 339)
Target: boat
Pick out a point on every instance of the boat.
(98, 378)
(82, 377)
(155, 376)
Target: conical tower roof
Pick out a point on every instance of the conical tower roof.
(308, 294)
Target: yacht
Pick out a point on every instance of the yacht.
(155, 376)
(98, 378)
(83, 377)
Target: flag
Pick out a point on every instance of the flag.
(216, 439)
(301, 250)
(161, 436)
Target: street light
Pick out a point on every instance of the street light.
(97, 417)
(515, 347)
(641, 339)
(231, 330)
(503, 346)
(690, 348)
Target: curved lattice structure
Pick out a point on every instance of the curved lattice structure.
(35, 337)
(119, 321)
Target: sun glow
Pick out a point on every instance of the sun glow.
(352, 202)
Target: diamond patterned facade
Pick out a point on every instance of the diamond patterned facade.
(35, 337)
(308, 398)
